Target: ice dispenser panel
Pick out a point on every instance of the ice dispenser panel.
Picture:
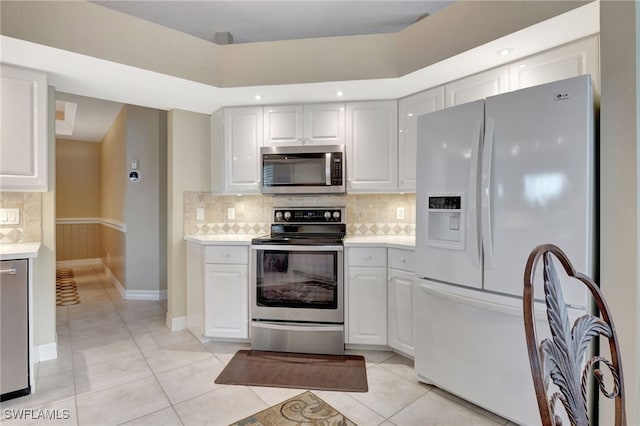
(445, 221)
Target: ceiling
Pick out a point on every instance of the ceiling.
(78, 74)
(246, 22)
(256, 21)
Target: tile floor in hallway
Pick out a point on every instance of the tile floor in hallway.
(119, 364)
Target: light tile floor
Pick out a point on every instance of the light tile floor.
(119, 364)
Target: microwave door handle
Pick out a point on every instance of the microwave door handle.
(327, 168)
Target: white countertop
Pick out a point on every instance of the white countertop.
(394, 241)
(221, 239)
(19, 251)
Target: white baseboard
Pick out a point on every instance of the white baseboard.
(145, 294)
(78, 262)
(176, 324)
(46, 352)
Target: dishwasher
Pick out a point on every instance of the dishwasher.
(14, 329)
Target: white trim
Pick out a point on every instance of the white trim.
(176, 324)
(145, 294)
(78, 221)
(115, 282)
(114, 224)
(118, 226)
(46, 352)
(79, 262)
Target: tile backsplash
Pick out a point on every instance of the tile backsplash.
(370, 214)
(29, 228)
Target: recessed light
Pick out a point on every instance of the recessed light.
(258, 97)
(505, 52)
(340, 93)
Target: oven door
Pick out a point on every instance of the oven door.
(297, 283)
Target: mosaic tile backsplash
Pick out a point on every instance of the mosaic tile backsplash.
(370, 214)
(29, 228)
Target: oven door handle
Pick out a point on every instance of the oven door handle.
(296, 327)
(300, 247)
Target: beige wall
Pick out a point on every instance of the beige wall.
(188, 170)
(113, 170)
(77, 179)
(44, 274)
(113, 178)
(620, 188)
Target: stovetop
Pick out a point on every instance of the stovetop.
(305, 226)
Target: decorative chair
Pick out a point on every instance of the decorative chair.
(563, 356)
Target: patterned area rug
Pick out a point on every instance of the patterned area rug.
(305, 409)
(66, 289)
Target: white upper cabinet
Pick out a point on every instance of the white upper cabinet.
(236, 135)
(283, 125)
(324, 124)
(372, 146)
(313, 124)
(409, 109)
(23, 130)
(569, 60)
(477, 86)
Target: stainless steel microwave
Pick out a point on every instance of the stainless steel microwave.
(314, 169)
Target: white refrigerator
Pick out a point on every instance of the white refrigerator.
(495, 178)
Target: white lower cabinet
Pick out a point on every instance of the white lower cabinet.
(218, 291)
(226, 296)
(400, 300)
(366, 296)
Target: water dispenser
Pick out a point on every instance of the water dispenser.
(446, 221)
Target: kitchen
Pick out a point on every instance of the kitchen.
(190, 178)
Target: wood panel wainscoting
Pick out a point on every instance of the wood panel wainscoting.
(78, 239)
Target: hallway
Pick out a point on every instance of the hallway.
(119, 364)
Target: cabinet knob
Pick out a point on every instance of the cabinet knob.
(369, 257)
(403, 260)
(226, 255)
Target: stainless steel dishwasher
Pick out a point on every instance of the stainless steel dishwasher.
(14, 329)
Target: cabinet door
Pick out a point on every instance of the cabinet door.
(226, 301)
(409, 109)
(401, 311)
(23, 130)
(570, 60)
(372, 146)
(477, 86)
(242, 141)
(283, 125)
(367, 306)
(324, 124)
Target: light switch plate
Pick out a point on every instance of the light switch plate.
(199, 213)
(400, 213)
(231, 213)
(9, 216)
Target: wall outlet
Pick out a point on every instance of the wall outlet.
(231, 213)
(9, 216)
(400, 213)
(199, 213)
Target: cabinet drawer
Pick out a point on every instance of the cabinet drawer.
(226, 254)
(402, 259)
(365, 256)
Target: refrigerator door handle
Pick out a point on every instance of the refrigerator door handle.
(474, 229)
(487, 154)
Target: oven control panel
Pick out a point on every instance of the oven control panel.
(304, 215)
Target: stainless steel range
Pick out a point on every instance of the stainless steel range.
(297, 285)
